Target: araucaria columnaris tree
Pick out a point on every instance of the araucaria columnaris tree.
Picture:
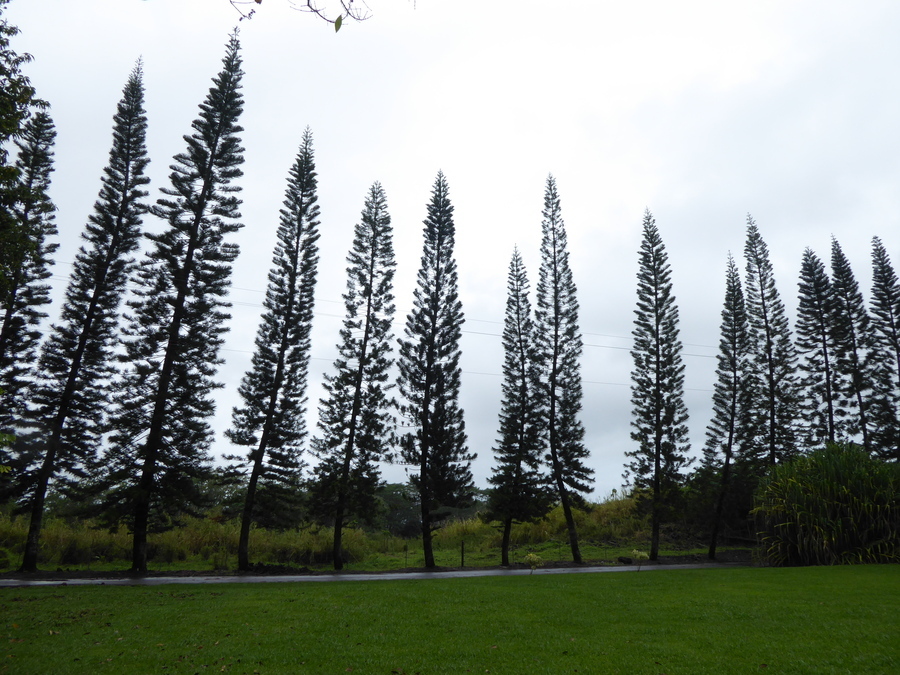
(885, 315)
(355, 418)
(521, 490)
(859, 360)
(17, 103)
(819, 381)
(657, 389)
(161, 439)
(27, 290)
(558, 347)
(726, 435)
(430, 376)
(76, 360)
(273, 391)
(773, 357)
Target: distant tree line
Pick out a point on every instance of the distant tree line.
(111, 408)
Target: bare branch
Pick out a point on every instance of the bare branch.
(357, 10)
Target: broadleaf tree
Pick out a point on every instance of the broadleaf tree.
(77, 360)
(273, 391)
(429, 376)
(160, 445)
(657, 391)
(558, 348)
(356, 420)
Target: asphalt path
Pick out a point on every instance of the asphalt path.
(378, 576)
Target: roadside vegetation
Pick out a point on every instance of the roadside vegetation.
(609, 529)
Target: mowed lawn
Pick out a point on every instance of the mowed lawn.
(717, 620)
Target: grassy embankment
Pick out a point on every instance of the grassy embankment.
(721, 620)
(607, 531)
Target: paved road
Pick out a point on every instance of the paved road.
(383, 576)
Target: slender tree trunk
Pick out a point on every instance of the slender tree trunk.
(351, 433)
(655, 514)
(720, 504)
(259, 455)
(30, 556)
(247, 513)
(504, 546)
(558, 471)
(425, 448)
(427, 548)
(153, 445)
(336, 552)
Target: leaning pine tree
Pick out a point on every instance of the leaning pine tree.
(161, 439)
(355, 417)
(271, 419)
(885, 315)
(727, 431)
(657, 390)
(76, 362)
(521, 490)
(430, 376)
(558, 346)
(819, 380)
(17, 104)
(27, 290)
(773, 358)
(859, 359)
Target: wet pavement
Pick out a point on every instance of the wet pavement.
(350, 576)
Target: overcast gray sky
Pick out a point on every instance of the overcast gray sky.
(699, 111)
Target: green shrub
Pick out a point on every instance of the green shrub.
(833, 506)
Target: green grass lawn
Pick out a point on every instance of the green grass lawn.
(718, 620)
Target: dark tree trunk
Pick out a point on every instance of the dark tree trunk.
(720, 506)
(427, 548)
(504, 546)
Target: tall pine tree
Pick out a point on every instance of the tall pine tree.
(819, 381)
(430, 376)
(858, 358)
(558, 347)
(161, 440)
(775, 395)
(657, 390)
(17, 104)
(355, 417)
(885, 315)
(27, 290)
(726, 435)
(521, 490)
(76, 361)
(271, 419)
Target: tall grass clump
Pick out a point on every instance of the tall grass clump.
(834, 506)
(612, 521)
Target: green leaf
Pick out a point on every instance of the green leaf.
(337, 23)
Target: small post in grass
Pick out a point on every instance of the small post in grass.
(462, 553)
